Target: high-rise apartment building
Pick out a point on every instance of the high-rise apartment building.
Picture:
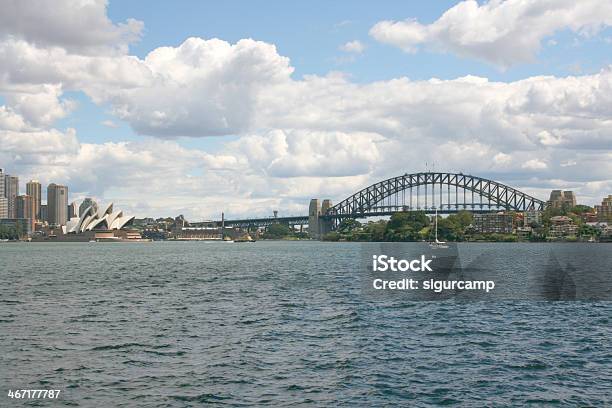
(33, 189)
(604, 211)
(2, 182)
(26, 209)
(57, 204)
(3, 199)
(11, 191)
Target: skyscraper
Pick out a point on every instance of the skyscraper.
(44, 214)
(25, 209)
(33, 189)
(73, 210)
(11, 191)
(57, 204)
(3, 199)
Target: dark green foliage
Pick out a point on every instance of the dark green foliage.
(7, 232)
(277, 231)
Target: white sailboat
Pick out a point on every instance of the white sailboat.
(436, 244)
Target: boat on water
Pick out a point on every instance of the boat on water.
(437, 244)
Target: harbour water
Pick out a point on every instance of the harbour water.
(279, 323)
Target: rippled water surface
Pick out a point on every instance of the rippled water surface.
(277, 323)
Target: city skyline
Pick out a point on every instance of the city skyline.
(200, 117)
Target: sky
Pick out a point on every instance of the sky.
(246, 107)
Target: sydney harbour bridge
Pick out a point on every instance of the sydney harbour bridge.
(430, 192)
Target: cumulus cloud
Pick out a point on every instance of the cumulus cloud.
(292, 139)
(80, 26)
(201, 88)
(499, 32)
(299, 153)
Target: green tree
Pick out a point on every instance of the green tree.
(277, 231)
(348, 226)
(331, 236)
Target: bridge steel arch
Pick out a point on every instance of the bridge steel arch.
(364, 202)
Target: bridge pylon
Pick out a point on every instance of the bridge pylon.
(318, 226)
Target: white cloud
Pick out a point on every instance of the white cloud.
(201, 88)
(534, 164)
(499, 32)
(317, 136)
(299, 153)
(80, 26)
(355, 47)
(109, 123)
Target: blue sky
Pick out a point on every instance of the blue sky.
(310, 34)
(330, 97)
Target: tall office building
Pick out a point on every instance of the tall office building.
(33, 189)
(73, 210)
(11, 191)
(3, 199)
(44, 214)
(57, 204)
(26, 209)
(2, 183)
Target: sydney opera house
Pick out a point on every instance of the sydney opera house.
(94, 223)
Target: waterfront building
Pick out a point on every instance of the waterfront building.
(33, 189)
(103, 224)
(11, 191)
(604, 211)
(493, 223)
(588, 217)
(87, 202)
(532, 217)
(562, 226)
(57, 204)
(3, 207)
(562, 199)
(26, 210)
(44, 213)
(523, 233)
(3, 199)
(606, 234)
(22, 225)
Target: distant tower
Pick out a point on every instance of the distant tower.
(73, 210)
(11, 191)
(57, 204)
(25, 209)
(33, 189)
(275, 213)
(325, 225)
(3, 199)
(314, 211)
(327, 204)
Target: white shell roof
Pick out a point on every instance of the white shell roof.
(104, 218)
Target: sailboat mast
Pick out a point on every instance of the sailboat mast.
(436, 224)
